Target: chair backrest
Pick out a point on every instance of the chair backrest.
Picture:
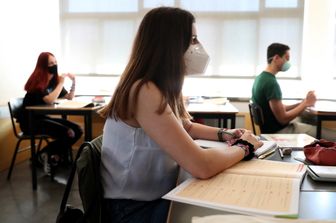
(15, 109)
(89, 182)
(257, 117)
(87, 165)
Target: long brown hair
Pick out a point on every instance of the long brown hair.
(38, 80)
(157, 56)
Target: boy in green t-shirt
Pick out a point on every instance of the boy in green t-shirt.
(266, 92)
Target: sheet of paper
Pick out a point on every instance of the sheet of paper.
(211, 144)
(289, 140)
(235, 218)
(269, 168)
(73, 104)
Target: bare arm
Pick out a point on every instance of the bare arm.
(52, 96)
(71, 93)
(200, 131)
(169, 133)
(292, 106)
(285, 114)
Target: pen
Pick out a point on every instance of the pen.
(281, 153)
(266, 154)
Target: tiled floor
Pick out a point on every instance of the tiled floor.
(20, 204)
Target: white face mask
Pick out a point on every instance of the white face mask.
(196, 59)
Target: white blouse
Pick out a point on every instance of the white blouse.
(133, 165)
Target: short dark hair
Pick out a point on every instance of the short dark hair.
(276, 49)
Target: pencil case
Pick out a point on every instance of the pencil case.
(321, 152)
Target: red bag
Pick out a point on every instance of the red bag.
(321, 152)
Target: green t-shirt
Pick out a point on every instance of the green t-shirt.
(265, 88)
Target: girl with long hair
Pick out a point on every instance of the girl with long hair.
(148, 133)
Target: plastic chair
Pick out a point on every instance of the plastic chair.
(257, 117)
(15, 107)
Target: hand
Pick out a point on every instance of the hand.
(249, 137)
(70, 76)
(310, 99)
(60, 79)
(231, 135)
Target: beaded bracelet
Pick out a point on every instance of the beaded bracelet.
(73, 86)
(250, 153)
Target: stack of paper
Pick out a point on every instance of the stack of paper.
(294, 141)
(322, 173)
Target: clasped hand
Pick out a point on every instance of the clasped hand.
(244, 135)
(62, 77)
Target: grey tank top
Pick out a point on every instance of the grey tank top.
(133, 165)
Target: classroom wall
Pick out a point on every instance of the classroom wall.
(27, 28)
(30, 27)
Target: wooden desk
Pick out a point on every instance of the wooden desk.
(324, 111)
(221, 112)
(58, 110)
(317, 199)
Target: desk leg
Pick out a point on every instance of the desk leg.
(318, 127)
(225, 123)
(88, 127)
(33, 149)
(233, 122)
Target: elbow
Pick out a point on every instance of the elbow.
(49, 101)
(202, 175)
(204, 172)
(282, 120)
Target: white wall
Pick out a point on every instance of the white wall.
(27, 28)
(318, 46)
(30, 27)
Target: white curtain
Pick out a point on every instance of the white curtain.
(97, 35)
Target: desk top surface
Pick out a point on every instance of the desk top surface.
(317, 199)
(323, 108)
(63, 105)
(209, 107)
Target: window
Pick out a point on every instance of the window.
(97, 35)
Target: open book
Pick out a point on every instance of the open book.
(263, 187)
(266, 147)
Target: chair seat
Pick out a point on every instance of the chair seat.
(22, 135)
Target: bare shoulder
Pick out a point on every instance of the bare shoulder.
(148, 92)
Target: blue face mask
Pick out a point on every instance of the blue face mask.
(285, 66)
